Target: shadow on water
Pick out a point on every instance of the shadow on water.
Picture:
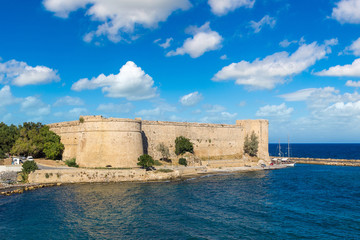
(303, 202)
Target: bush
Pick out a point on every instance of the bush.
(165, 170)
(71, 162)
(251, 145)
(182, 161)
(27, 168)
(157, 163)
(164, 150)
(183, 145)
(146, 161)
(81, 119)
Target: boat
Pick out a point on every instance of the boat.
(281, 160)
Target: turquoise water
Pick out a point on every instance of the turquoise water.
(304, 202)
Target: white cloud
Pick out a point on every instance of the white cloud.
(131, 83)
(242, 104)
(222, 117)
(76, 112)
(70, 101)
(285, 43)
(117, 17)
(277, 111)
(341, 110)
(6, 97)
(224, 57)
(191, 99)
(354, 48)
(348, 70)
(222, 7)
(273, 69)
(266, 20)
(203, 40)
(351, 83)
(157, 111)
(33, 106)
(115, 108)
(167, 43)
(20, 74)
(214, 108)
(347, 11)
(300, 95)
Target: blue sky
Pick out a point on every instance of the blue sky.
(295, 63)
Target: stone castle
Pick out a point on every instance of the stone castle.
(96, 141)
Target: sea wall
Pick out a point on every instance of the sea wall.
(98, 175)
(99, 142)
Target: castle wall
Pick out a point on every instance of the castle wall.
(209, 140)
(99, 142)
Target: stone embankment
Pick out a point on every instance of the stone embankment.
(83, 175)
(328, 161)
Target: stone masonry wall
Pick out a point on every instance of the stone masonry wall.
(99, 142)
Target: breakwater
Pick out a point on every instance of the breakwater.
(328, 161)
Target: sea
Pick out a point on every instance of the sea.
(301, 202)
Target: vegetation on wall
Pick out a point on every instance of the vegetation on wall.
(146, 161)
(27, 168)
(251, 144)
(183, 145)
(37, 140)
(71, 162)
(81, 119)
(164, 150)
(182, 161)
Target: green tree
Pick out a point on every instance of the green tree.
(8, 136)
(146, 161)
(38, 141)
(183, 145)
(27, 168)
(164, 150)
(251, 145)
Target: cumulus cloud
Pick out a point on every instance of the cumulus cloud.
(285, 43)
(348, 70)
(115, 108)
(131, 83)
(274, 69)
(166, 44)
(300, 95)
(351, 83)
(33, 106)
(117, 17)
(203, 40)
(20, 74)
(191, 99)
(266, 20)
(224, 57)
(70, 101)
(222, 7)
(7, 98)
(347, 11)
(275, 111)
(354, 48)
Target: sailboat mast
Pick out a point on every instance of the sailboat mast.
(288, 147)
